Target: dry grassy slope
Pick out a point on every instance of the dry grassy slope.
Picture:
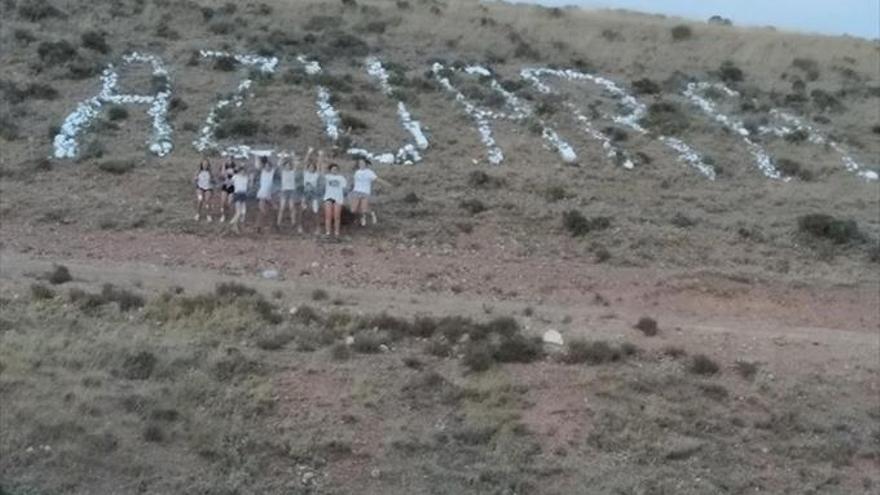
(621, 46)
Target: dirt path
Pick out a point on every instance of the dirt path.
(720, 313)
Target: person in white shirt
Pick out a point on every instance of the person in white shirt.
(264, 192)
(240, 183)
(204, 180)
(311, 196)
(363, 189)
(334, 195)
(288, 196)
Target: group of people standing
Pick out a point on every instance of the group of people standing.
(301, 190)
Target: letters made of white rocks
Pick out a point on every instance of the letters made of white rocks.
(407, 154)
(483, 116)
(66, 142)
(631, 119)
(207, 139)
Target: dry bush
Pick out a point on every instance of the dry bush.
(116, 167)
(41, 292)
(473, 206)
(579, 351)
(38, 10)
(320, 295)
(702, 364)
(578, 225)
(647, 326)
(681, 33)
(55, 52)
(666, 118)
(95, 40)
(730, 73)
(824, 226)
(792, 168)
(59, 275)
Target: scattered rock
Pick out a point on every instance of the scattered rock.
(384, 348)
(271, 274)
(552, 337)
(375, 473)
(349, 340)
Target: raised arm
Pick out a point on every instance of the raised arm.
(322, 167)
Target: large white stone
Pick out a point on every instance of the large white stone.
(552, 337)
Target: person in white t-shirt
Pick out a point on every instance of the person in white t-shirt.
(264, 192)
(363, 189)
(288, 196)
(204, 180)
(240, 183)
(334, 195)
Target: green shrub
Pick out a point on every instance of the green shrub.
(647, 326)
(117, 112)
(116, 167)
(792, 168)
(579, 351)
(478, 356)
(95, 40)
(827, 227)
(56, 52)
(681, 33)
(41, 292)
(126, 299)
(59, 275)
(578, 225)
(646, 87)
(703, 365)
(368, 342)
(38, 10)
(473, 206)
(730, 73)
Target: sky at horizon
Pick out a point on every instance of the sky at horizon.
(854, 17)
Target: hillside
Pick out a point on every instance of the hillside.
(693, 207)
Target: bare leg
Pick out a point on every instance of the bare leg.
(328, 216)
(207, 203)
(199, 200)
(281, 205)
(337, 217)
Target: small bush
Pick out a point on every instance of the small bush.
(238, 128)
(37, 10)
(702, 364)
(478, 356)
(825, 101)
(518, 349)
(809, 66)
(126, 299)
(504, 326)
(615, 134)
(56, 52)
(730, 73)
(340, 352)
(556, 193)
(353, 124)
(439, 348)
(24, 36)
(59, 275)
(222, 28)
(681, 33)
(481, 180)
(473, 206)
(646, 87)
(8, 128)
(792, 168)
(612, 35)
(226, 64)
(341, 44)
(647, 326)
(116, 167)
(41, 292)
(582, 351)
(138, 366)
(578, 225)
(233, 290)
(666, 118)
(320, 295)
(746, 369)
(81, 68)
(274, 340)
(674, 352)
(95, 40)
(827, 227)
(117, 112)
(307, 314)
(368, 342)
(683, 221)
(322, 22)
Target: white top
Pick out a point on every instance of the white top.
(363, 180)
(203, 179)
(267, 175)
(310, 179)
(288, 179)
(240, 183)
(334, 187)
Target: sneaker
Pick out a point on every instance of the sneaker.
(373, 214)
(222, 218)
(363, 221)
(197, 217)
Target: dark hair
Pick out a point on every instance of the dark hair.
(332, 166)
(264, 159)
